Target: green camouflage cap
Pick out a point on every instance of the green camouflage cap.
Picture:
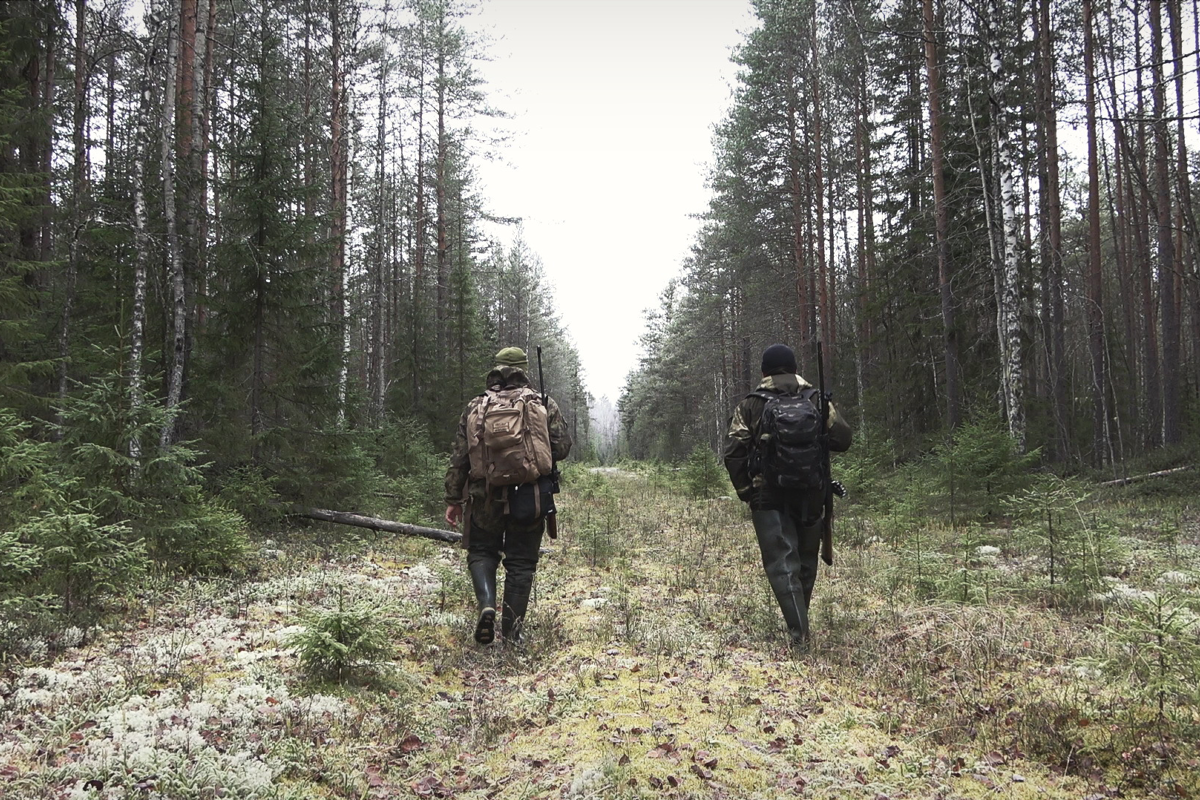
(512, 357)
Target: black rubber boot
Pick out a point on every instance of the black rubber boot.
(512, 618)
(777, 541)
(483, 576)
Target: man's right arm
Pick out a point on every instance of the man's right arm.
(460, 464)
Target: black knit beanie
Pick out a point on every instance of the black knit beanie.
(778, 359)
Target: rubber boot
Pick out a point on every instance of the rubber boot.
(483, 576)
(516, 602)
(777, 541)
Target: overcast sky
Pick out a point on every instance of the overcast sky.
(613, 103)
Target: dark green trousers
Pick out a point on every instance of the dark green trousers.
(790, 549)
(516, 545)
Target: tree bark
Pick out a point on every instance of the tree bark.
(79, 194)
(443, 144)
(1167, 265)
(375, 523)
(137, 333)
(1050, 194)
(941, 218)
(820, 278)
(1095, 299)
(174, 257)
(1013, 380)
(338, 167)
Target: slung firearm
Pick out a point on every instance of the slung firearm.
(551, 513)
(827, 523)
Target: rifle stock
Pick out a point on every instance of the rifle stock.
(827, 519)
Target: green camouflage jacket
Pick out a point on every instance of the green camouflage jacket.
(743, 432)
(458, 475)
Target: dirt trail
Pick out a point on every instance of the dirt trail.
(656, 666)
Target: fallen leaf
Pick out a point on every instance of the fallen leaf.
(671, 779)
(624, 760)
(701, 772)
(410, 743)
(657, 783)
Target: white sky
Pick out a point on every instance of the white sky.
(613, 103)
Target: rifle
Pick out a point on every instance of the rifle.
(827, 521)
(551, 512)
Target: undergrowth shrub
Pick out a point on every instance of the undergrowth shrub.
(157, 495)
(80, 559)
(249, 491)
(84, 516)
(586, 484)
(412, 470)
(1073, 547)
(340, 643)
(702, 475)
(863, 469)
(1158, 648)
(969, 476)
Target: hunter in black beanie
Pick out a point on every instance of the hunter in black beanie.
(778, 359)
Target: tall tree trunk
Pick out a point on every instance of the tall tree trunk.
(819, 189)
(1167, 267)
(1142, 201)
(941, 217)
(46, 87)
(1013, 379)
(443, 144)
(205, 100)
(1186, 220)
(79, 194)
(338, 167)
(310, 167)
(1050, 194)
(137, 328)
(174, 257)
(418, 232)
(1095, 299)
(380, 283)
(795, 186)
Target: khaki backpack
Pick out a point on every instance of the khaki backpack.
(508, 437)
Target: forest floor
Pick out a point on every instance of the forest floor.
(655, 666)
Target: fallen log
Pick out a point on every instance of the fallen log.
(1132, 478)
(374, 523)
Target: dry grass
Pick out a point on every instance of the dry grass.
(656, 667)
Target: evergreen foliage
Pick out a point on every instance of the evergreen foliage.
(821, 227)
(337, 643)
(702, 475)
(323, 363)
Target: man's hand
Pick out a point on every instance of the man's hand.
(454, 515)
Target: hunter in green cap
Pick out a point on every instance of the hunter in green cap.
(499, 488)
(512, 357)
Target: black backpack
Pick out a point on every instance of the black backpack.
(791, 448)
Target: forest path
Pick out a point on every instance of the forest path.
(656, 666)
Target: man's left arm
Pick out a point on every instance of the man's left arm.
(560, 435)
(840, 434)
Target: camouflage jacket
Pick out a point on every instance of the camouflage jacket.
(743, 432)
(458, 475)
